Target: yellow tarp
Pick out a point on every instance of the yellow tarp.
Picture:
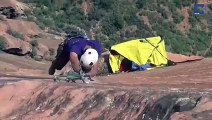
(141, 51)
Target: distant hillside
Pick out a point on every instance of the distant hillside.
(114, 21)
(22, 37)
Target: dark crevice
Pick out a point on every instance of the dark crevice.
(164, 107)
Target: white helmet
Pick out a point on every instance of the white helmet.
(89, 58)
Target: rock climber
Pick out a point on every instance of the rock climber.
(83, 53)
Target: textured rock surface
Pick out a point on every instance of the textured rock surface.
(16, 45)
(13, 3)
(178, 92)
(22, 46)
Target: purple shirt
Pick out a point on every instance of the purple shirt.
(78, 44)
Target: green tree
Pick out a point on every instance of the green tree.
(177, 17)
(47, 3)
(172, 7)
(178, 3)
(104, 4)
(141, 3)
(96, 14)
(118, 21)
(112, 23)
(130, 17)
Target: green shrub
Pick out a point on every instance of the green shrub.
(34, 52)
(2, 43)
(51, 51)
(129, 15)
(37, 58)
(111, 24)
(34, 43)
(27, 12)
(165, 14)
(177, 17)
(171, 6)
(15, 34)
(109, 43)
(1, 18)
(101, 37)
(75, 16)
(96, 14)
(141, 3)
(178, 3)
(210, 6)
(183, 3)
(41, 25)
(154, 17)
(30, 18)
(49, 58)
(105, 4)
(54, 32)
(192, 20)
(209, 53)
(115, 37)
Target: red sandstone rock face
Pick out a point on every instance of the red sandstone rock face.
(13, 3)
(182, 58)
(24, 27)
(29, 30)
(22, 47)
(178, 92)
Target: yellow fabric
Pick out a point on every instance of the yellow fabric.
(139, 51)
